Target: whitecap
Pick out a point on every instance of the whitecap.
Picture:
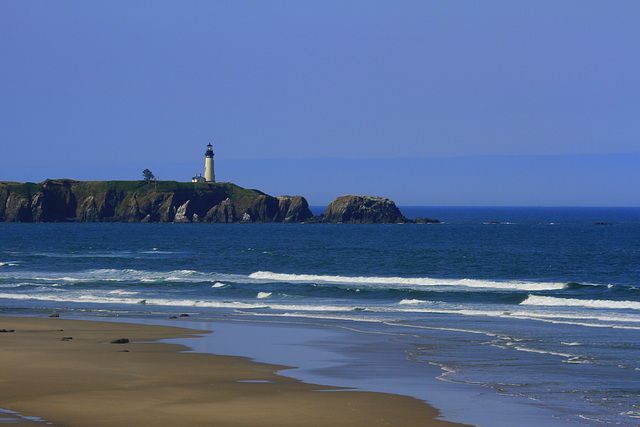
(122, 292)
(8, 264)
(264, 294)
(413, 301)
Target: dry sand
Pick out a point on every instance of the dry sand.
(87, 381)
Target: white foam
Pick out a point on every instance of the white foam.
(124, 275)
(19, 418)
(573, 302)
(535, 350)
(453, 310)
(219, 285)
(122, 292)
(413, 301)
(405, 281)
(618, 320)
(9, 264)
(101, 299)
(264, 294)
(105, 299)
(16, 285)
(544, 313)
(187, 272)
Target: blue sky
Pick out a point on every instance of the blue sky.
(425, 102)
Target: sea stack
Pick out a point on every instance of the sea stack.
(364, 210)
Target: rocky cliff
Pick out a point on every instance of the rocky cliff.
(364, 209)
(138, 201)
(65, 200)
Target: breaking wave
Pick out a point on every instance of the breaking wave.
(100, 299)
(408, 281)
(574, 302)
(123, 275)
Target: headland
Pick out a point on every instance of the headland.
(66, 200)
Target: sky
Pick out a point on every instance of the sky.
(433, 103)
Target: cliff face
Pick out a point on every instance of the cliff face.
(364, 210)
(66, 200)
(137, 201)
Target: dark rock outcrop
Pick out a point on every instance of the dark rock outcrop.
(364, 210)
(224, 212)
(427, 220)
(260, 209)
(293, 209)
(88, 211)
(18, 209)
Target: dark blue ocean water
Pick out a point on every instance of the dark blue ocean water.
(538, 303)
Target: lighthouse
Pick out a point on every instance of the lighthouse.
(209, 174)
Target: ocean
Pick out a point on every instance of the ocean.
(538, 308)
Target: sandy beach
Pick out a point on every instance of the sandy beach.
(69, 373)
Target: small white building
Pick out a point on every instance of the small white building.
(198, 178)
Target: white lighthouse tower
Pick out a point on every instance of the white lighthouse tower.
(209, 174)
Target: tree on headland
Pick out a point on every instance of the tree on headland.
(148, 175)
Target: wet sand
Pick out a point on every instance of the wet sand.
(67, 372)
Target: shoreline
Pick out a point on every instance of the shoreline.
(358, 358)
(67, 372)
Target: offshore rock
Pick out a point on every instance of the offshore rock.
(427, 221)
(363, 210)
(294, 209)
